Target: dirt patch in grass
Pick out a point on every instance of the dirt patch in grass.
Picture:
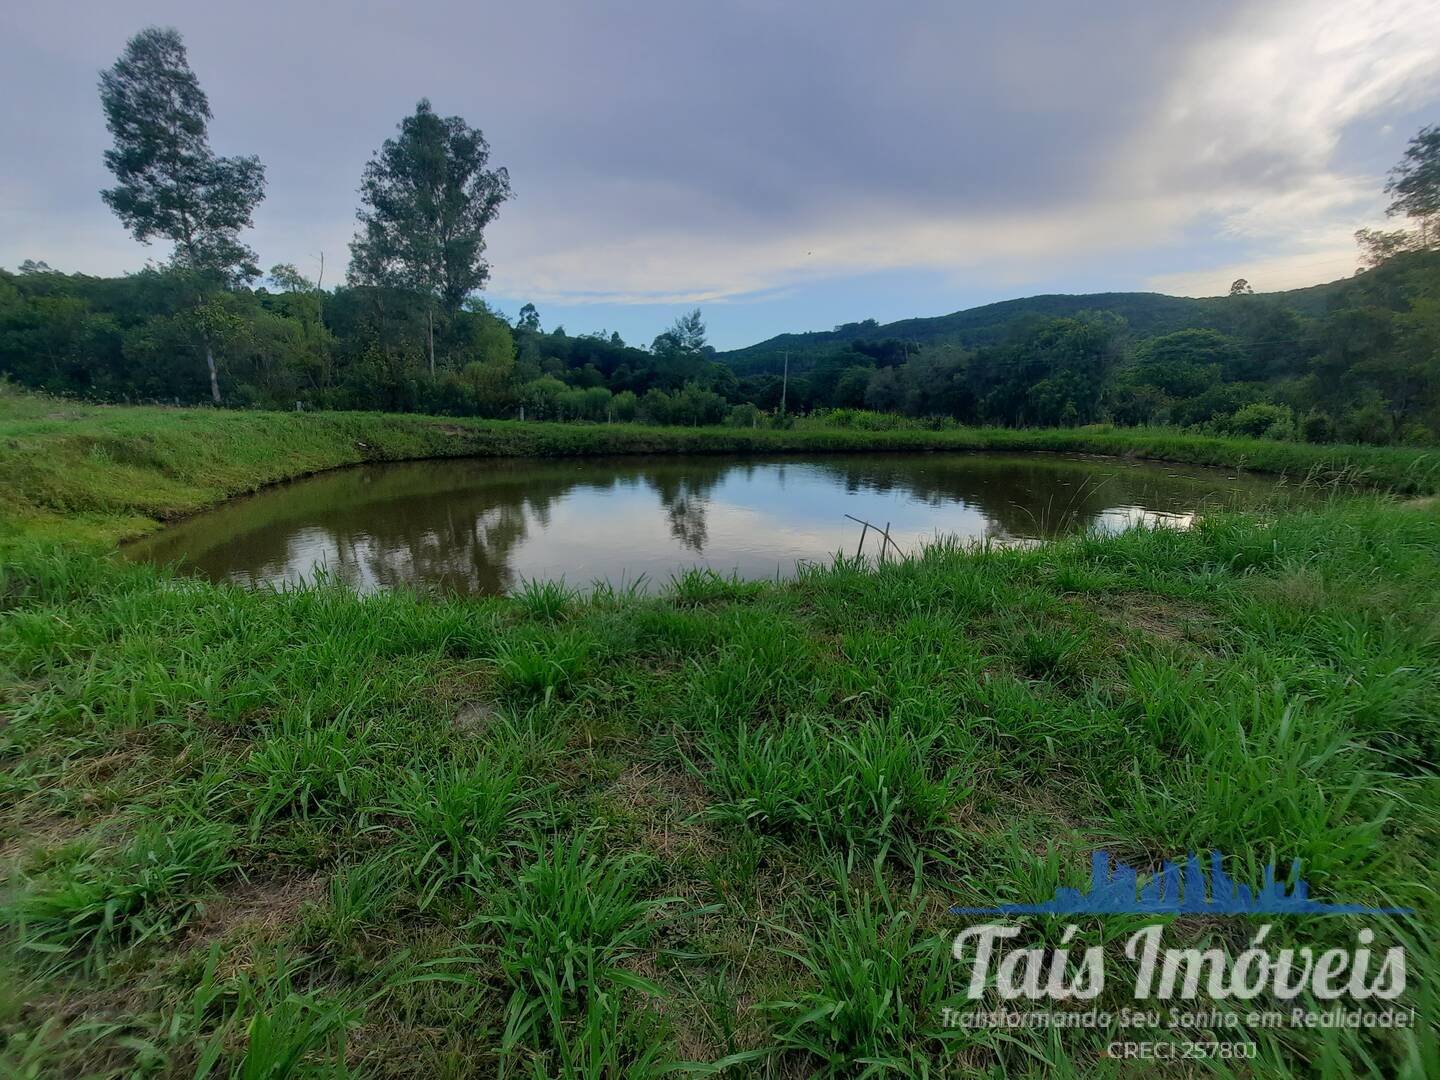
(88, 772)
(1162, 618)
(666, 803)
(262, 907)
(45, 832)
(34, 836)
(699, 1035)
(1051, 804)
(94, 1005)
(474, 717)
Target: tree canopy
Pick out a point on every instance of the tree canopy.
(168, 181)
(426, 199)
(1415, 183)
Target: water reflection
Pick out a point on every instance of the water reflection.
(481, 525)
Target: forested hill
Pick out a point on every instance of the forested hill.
(1145, 314)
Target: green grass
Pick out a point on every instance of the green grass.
(716, 827)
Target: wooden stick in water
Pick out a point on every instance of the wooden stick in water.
(863, 531)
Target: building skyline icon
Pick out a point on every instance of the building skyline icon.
(1182, 888)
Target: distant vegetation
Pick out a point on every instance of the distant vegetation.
(1363, 368)
(1145, 314)
(1356, 360)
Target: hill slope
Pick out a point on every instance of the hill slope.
(1147, 314)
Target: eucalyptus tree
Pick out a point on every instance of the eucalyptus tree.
(1415, 183)
(168, 182)
(679, 351)
(426, 197)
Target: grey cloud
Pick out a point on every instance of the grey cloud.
(638, 134)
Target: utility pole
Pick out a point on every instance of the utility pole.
(785, 383)
(320, 321)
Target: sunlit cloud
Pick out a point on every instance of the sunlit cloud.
(1267, 273)
(1244, 134)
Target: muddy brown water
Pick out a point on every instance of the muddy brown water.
(483, 526)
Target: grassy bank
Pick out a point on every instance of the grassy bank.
(108, 473)
(259, 834)
(537, 836)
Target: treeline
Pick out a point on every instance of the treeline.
(1366, 371)
(406, 332)
(142, 338)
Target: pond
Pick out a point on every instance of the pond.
(482, 526)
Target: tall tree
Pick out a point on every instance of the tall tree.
(688, 330)
(168, 181)
(1415, 183)
(426, 198)
(1377, 245)
(680, 350)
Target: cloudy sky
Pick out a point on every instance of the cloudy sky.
(784, 166)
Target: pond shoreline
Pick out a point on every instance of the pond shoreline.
(105, 474)
(483, 525)
(759, 456)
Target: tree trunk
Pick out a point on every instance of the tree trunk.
(430, 329)
(214, 382)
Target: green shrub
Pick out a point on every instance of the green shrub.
(1262, 419)
(744, 415)
(1317, 426)
(1368, 423)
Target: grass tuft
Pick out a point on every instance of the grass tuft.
(570, 922)
(88, 906)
